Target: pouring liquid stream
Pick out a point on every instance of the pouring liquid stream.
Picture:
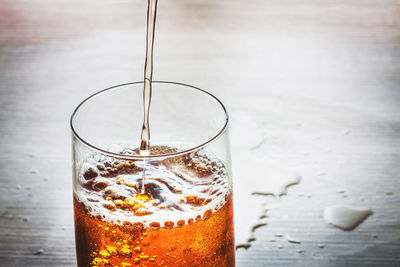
(148, 76)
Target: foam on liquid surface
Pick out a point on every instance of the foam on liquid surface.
(182, 188)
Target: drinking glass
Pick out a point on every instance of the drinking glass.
(172, 207)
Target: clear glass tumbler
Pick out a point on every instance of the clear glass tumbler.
(182, 214)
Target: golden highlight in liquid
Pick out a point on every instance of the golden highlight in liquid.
(184, 218)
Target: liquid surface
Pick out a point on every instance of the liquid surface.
(184, 217)
(184, 188)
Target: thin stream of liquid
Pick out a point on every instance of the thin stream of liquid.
(148, 76)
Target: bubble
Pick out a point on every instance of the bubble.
(207, 214)
(117, 164)
(126, 264)
(112, 250)
(125, 252)
(130, 163)
(155, 225)
(110, 191)
(180, 223)
(198, 218)
(105, 254)
(144, 257)
(168, 224)
(142, 212)
(100, 167)
(100, 185)
(119, 203)
(121, 181)
(90, 174)
(110, 206)
(97, 261)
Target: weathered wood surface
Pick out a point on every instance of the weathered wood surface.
(317, 81)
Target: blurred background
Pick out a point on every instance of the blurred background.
(313, 91)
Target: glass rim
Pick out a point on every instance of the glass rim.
(157, 156)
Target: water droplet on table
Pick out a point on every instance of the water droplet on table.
(292, 240)
(346, 217)
(245, 246)
(39, 252)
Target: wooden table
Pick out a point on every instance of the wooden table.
(312, 86)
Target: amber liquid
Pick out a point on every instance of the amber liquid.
(184, 218)
(202, 243)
